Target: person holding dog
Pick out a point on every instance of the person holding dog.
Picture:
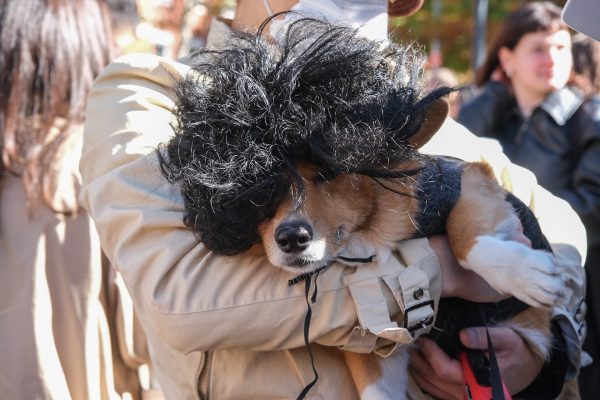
(228, 327)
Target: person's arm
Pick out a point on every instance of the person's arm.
(182, 292)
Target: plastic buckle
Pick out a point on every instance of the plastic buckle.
(422, 323)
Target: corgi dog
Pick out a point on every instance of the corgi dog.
(356, 214)
(305, 147)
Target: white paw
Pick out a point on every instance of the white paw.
(513, 268)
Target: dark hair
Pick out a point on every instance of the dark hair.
(50, 52)
(586, 63)
(248, 114)
(537, 16)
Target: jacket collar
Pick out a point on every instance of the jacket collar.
(562, 104)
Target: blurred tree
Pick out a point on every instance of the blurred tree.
(455, 32)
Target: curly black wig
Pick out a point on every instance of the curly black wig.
(246, 115)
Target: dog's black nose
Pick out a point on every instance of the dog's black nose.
(293, 237)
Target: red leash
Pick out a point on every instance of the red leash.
(475, 390)
(482, 375)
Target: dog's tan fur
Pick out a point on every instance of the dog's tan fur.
(364, 369)
(478, 209)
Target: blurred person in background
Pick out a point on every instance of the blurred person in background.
(57, 300)
(161, 25)
(125, 20)
(543, 124)
(169, 18)
(197, 22)
(177, 27)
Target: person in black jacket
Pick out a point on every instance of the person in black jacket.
(548, 127)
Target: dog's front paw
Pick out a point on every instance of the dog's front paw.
(515, 269)
(536, 280)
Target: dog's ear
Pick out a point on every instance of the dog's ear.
(435, 116)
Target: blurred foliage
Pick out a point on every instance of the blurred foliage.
(455, 29)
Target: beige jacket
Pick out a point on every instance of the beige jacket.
(230, 327)
(63, 324)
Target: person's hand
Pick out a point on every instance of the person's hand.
(458, 281)
(435, 372)
(441, 376)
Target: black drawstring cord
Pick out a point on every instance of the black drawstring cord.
(495, 377)
(313, 299)
(307, 277)
(357, 260)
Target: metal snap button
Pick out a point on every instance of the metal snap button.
(418, 293)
